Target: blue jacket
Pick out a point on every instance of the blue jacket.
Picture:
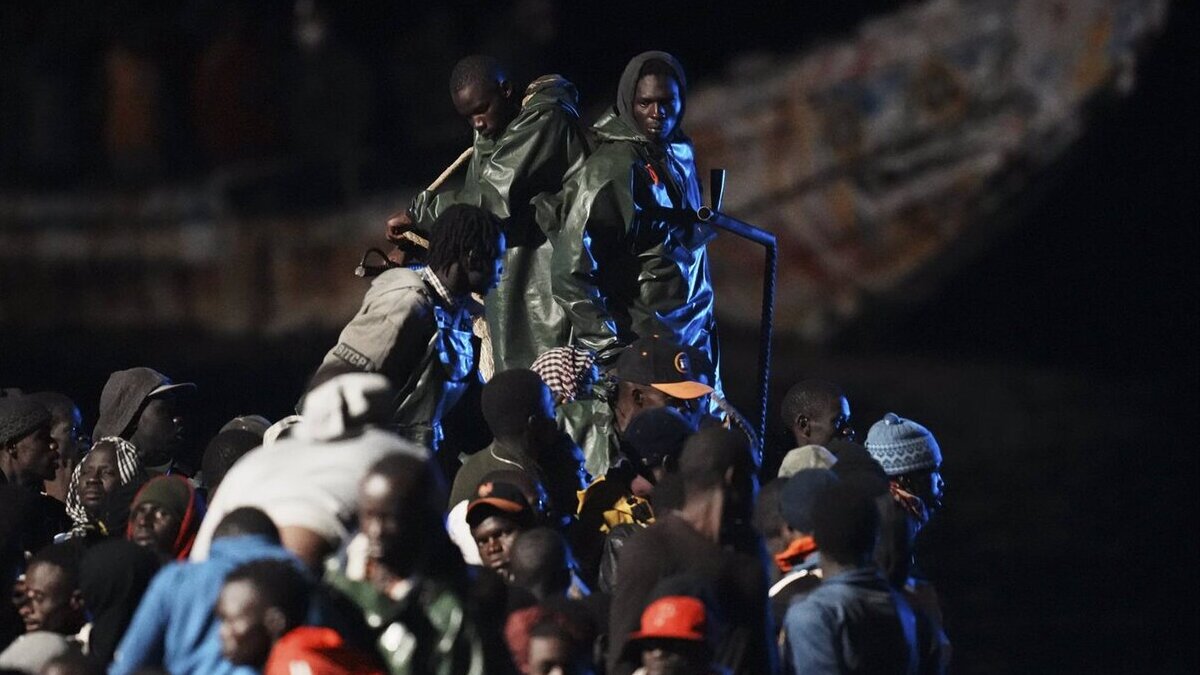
(175, 627)
(852, 623)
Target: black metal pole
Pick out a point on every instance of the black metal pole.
(767, 240)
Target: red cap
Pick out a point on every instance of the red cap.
(677, 617)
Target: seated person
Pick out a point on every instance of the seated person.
(174, 628)
(652, 372)
(53, 601)
(262, 607)
(519, 411)
(673, 639)
(853, 621)
(499, 512)
(112, 463)
(165, 516)
(403, 574)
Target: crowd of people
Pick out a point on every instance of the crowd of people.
(614, 523)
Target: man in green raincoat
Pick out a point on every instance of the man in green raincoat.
(524, 147)
(629, 262)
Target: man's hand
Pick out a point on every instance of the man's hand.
(397, 224)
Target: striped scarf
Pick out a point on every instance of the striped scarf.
(129, 469)
(567, 371)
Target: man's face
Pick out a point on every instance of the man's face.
(483, 275)
(245, 638)
(380, 518)
(487, 106)
(50, 603)
(65, 432)
(36, 455)
(552, 656)
(154, 527)
(928, 485)
(656, 106)
(159, 433)
(495, 536)
(673, 657)
(825, 424)
(634, 398)
(98, 475)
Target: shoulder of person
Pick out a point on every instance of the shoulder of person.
(398, 288)
(397, 279)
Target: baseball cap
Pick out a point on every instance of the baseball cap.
(675, 617)
(125, 392)
(492, 496)
(658, 433)
(662, 364)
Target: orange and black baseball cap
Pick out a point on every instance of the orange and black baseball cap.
(498, 496)
(663, 364)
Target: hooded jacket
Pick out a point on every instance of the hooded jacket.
(174, 626)
(518, 176)
(622, 268)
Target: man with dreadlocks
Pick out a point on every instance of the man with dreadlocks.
(414, 326)
(524, 148)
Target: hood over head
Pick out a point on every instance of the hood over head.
(629, 79)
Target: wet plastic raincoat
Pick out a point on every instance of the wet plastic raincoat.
(518, 177)
(623, 267)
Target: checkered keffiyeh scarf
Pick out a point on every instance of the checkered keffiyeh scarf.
(911, 503)
(568, 371)
(129, 469)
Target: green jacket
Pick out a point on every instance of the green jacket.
(621, 270)
(518, 176)
(427, 631)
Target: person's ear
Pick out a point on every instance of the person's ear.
(453, 272)
(639, 398)
(275, 622)
(801, 425)
(506, 89)
(76, 601)
(729, 477)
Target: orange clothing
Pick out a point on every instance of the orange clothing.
(310, 650)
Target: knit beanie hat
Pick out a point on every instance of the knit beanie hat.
(901, 445)
(171, 493)
(800, 492)
(20, 416)
(174, 494)
(805, 457)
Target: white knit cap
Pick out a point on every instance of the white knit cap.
(901, 445)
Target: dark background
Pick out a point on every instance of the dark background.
(1058, 367)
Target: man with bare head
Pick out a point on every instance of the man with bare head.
(817, 412)
(525, 145)
(402, 566)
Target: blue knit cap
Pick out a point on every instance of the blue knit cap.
(901, 445)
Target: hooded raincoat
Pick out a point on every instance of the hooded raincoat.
(518, 176)
(623, 267)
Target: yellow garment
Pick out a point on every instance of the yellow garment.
(604, 505)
